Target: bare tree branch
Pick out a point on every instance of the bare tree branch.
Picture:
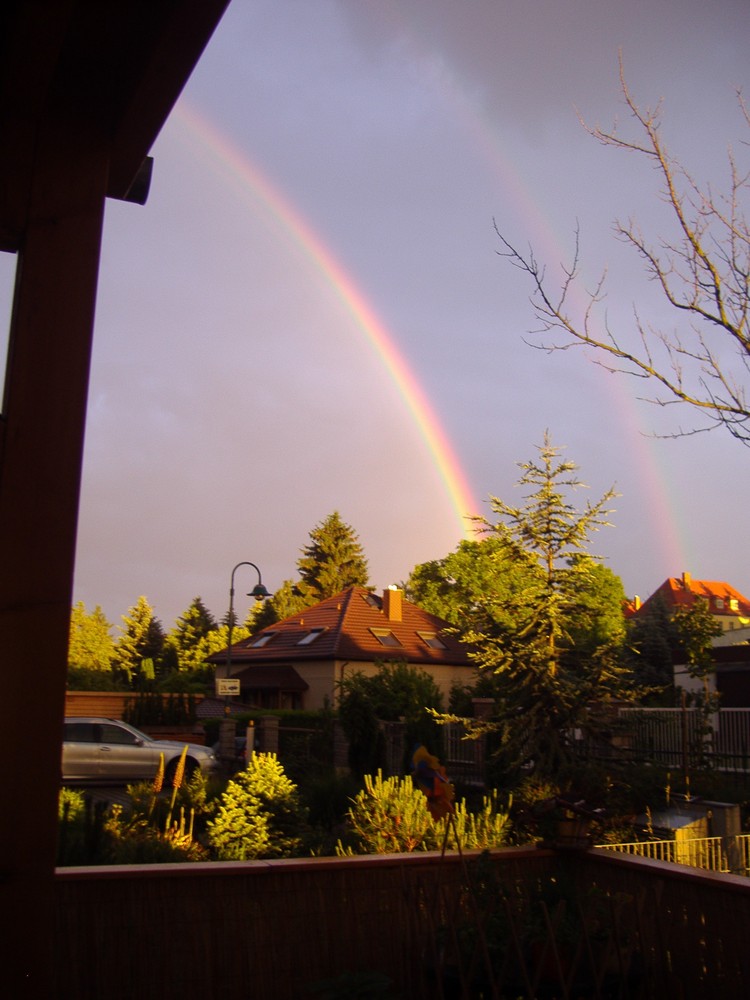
(702, 269)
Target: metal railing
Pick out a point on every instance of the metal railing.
(716, 854)
(701, 852)
(674, 737)
(465, 759)
(732, 737)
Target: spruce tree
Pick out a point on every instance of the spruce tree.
(333, 560)
(142, 639)
(187, 638)
(544, 676)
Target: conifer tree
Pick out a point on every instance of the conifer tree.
(260, 814)
(142, 639)
(91, 646)
(188, 638)
(333, 560)
(544, 677)
(286, 601)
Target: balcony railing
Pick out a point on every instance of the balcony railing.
(715, 854)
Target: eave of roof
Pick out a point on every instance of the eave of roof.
(110, 69)
(271, 677)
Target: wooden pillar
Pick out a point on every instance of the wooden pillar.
(41, 445)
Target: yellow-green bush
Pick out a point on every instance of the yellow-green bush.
(260, 814)
(389, 815)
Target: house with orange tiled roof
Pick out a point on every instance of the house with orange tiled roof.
(298, 662)
(731, 652)
(729, 606)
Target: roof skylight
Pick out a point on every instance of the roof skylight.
(263, 639)
(385, 637)
(311, 636)
(432, 639)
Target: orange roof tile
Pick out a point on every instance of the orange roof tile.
(682, 592)
(346, 627)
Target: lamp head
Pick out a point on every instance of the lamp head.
(259, 592)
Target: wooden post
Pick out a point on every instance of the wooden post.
(41, 447)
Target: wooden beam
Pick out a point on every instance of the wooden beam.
(40, 465)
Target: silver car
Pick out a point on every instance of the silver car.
(104, 751)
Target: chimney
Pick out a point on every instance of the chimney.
(392, 604)
(686, 580)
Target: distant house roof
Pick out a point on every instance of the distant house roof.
(355, 624)
(684, 591)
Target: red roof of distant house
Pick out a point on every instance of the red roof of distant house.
(355, 625)
(684, 591)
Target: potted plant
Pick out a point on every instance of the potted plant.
(565, 822)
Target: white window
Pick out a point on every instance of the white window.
(311, 636)
(432, 639)
(263, 639)
(385, 637)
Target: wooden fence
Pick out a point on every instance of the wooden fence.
(436, 927)
(107, 704)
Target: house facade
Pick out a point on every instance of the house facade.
(731, 652)
(300, 661)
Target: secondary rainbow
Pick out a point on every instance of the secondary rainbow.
(237, 167)
(466, 109)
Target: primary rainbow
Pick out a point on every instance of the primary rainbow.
(235, 165)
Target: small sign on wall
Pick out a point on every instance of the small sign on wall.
(227, 686)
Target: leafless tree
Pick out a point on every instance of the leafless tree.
(703, 269)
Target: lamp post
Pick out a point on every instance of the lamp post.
(258, 592)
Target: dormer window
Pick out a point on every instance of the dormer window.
(734, 604)
(432, 639)
(385, 637)
(311, 636)
(263, 639)
(719, 603)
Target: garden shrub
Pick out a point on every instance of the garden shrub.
(397, 692)
(135, 840)
(80, 830)
(260, 814)
(390, 815)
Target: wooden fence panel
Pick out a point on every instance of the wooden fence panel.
(270, 930)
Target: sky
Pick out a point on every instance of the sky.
(311, 313)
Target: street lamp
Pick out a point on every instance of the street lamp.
(258, 592)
